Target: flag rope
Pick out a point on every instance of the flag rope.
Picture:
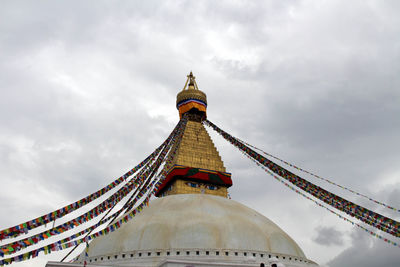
(363, 214)
(322, 205)
(110, 202)
(321, 178)
(57, 247)
(19, 229)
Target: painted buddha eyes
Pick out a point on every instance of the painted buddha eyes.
(196, 185)
(211, 187)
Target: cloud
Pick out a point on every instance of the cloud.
(367, 252)
(328, 236)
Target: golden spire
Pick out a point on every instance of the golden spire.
(197, 165)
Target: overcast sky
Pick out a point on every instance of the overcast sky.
(88, 90)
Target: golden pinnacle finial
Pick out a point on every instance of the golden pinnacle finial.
(192, 82)
(191, 79)
(191, 98)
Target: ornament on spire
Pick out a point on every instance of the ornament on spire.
(191, 99)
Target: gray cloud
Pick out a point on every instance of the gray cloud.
(328, 236)
(365, 252)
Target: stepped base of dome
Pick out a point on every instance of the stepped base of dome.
(192, 258)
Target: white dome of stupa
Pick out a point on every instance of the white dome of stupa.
(190, 225)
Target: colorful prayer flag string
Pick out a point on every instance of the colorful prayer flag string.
(321, 178)
(14, 247)
(56, 246)
(323, 206)
(363, 214)
(44, 219)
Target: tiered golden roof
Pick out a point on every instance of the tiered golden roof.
(197, 150)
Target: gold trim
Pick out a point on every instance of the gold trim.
(191, 93)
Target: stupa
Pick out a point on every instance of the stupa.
(192, 222)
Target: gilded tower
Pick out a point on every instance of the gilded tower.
(197, 166)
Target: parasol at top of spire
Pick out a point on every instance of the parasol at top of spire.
(191, 99)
